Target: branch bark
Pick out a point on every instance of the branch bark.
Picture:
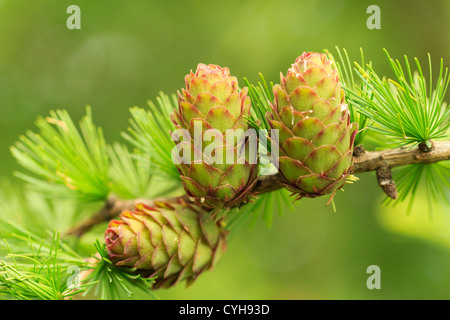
(112, 208)
(364, 161)
(391, 158)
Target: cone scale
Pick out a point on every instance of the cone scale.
(314, 130)
(173, 241)
(213, 102)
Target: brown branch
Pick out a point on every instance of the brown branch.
(112, 208)
(364, 161)
(391, 158)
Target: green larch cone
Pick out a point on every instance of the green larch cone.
(315, 134)
(174, 241)
(213, 103)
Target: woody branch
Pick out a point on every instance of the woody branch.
(364, 161)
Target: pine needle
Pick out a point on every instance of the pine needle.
(62, 161)
(150, 132)
(405, 109)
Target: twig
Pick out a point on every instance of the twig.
(370, 161)
(384, 178)
(112, 208)
(364, 161)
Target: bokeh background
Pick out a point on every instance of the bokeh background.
(126, 52)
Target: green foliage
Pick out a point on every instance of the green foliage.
(67, 164)
(132, 175)
(261, 207)
(431, 179)
(150, 132)
(353, 87)
(113, 282)
(34, 211)
(129, 176)
(261, 97)
(40, 273)
(67, 168)
(406, 109)
(64, 162)
(48, 269)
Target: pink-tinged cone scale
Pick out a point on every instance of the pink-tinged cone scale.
(174, 241)
(212, 101)
(314, 130)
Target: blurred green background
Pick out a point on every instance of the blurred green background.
(126, 52)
